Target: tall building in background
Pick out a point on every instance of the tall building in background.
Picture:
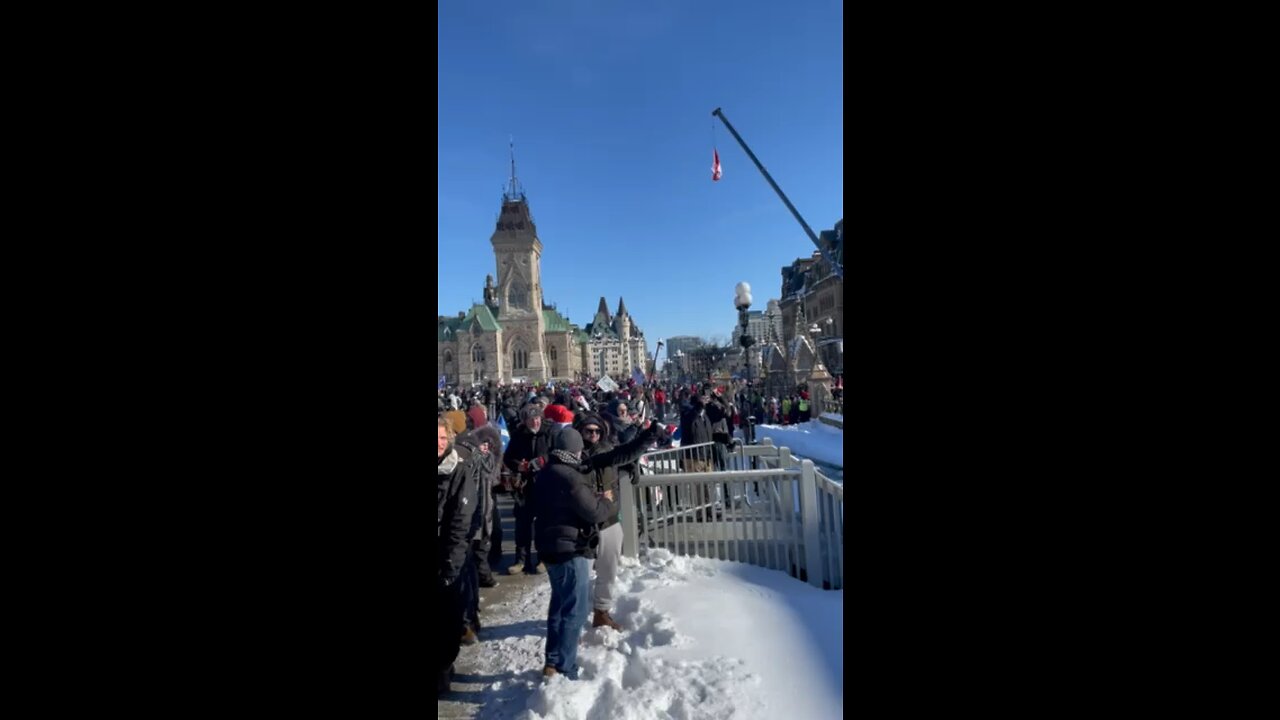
(514, 335)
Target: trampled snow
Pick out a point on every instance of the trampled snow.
(814, 440)
(701, 639)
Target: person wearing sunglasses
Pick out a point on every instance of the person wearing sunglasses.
(607, 464)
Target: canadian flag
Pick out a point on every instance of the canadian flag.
(715, 168)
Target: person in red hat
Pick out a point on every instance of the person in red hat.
(558, 414)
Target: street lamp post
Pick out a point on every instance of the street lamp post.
(742, 301)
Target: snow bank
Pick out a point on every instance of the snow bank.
(701, 639)
(814, 440)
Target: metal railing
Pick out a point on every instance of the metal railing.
(764, 508)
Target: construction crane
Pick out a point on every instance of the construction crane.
(836, 267)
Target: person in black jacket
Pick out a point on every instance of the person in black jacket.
(456, 478)
(569, 511)
(526, 454)
(697, 426)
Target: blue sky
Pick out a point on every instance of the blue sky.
(610, 106)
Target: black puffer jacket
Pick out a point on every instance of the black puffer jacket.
(456, 493)
(568, 511)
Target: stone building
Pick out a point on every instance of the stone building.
(615, 344)
(515, 335)
(811, 317)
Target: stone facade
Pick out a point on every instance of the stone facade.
(615, 344)
(811, 314)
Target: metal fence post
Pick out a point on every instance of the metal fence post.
(629, 518)
(812, 520)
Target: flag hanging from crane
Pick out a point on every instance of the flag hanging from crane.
(715, 167)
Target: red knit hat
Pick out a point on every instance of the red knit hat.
(558, 413)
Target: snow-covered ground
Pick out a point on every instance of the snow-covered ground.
(701, 639)
(814, 440)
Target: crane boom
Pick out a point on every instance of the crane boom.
(836, 267)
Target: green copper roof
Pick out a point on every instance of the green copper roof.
(449, 328)
(554, 321)
(488, 322)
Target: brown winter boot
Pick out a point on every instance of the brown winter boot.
(549, 672)
(601, 619)
(518, 567)
(469, 636)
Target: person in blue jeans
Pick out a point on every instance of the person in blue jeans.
(568, 511)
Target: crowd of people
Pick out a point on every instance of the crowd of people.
(572, 451)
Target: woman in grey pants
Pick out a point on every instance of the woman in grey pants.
(602, 459)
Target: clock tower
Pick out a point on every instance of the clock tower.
(518, 253)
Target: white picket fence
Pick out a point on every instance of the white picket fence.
(756, 504)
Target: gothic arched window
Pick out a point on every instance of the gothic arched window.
(519, 358)
(555, 370)
(518, 295)
(477, 355)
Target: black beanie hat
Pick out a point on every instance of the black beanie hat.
(568, 440)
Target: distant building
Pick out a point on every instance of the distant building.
(681, 344)
(765, 326)
(615, 344)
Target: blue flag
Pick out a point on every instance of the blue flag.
(502, 430)
(637, 376)
(441, 385)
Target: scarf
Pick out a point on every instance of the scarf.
(566, 457)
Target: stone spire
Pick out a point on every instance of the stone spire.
(515, 217)
(513, 191)
(622, 308)
(603, 309)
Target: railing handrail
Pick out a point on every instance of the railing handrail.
(827, 485)
(800, 523)
(716, 476)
